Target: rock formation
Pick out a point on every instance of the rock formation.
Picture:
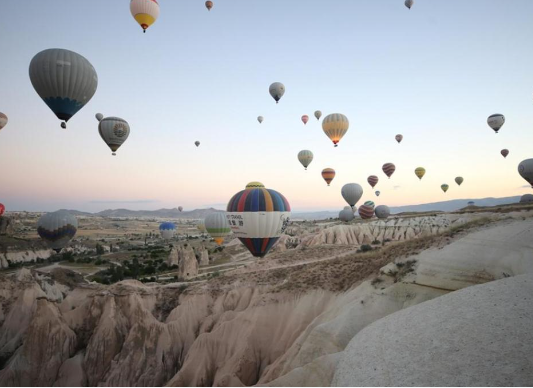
(6, 226)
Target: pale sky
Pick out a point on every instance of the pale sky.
(434, 73)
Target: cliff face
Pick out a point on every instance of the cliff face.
(265, 326)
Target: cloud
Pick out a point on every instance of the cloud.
(525, 187)
(126, 201)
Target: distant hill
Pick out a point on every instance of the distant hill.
(161, 213)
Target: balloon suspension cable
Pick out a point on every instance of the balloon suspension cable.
(64, 125)
(144, 30)
(114, 154)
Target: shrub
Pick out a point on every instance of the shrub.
(366, 248)
(376, 242)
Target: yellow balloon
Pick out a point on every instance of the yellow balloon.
(335, 126)
(254, 185)
(420, 172)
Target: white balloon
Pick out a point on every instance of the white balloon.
(525, 169)
(346, 214)
(352, 192)
(277, 90)
(217, 226)
(382, 211)
(114, 131)
(496, 121)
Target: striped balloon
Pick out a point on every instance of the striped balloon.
(444, 187)
(420, 172)
(258, 217)
(305, 157)
(372, 180)
(366, 212)
(388, 169)
(3, 120)
(370, 204)
(335, 126)
(145, 12)
(254, 185)
(65, 80)
(328, 174)
(305, 119)
(504, 152)
(399, 138)
(217, 226)
(57, 229)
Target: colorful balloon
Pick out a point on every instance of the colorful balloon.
(420, 172)
(2, 209)
(145, 12)
(444, 187)
(197, 143)
(258, 217)
(372, 180)
(114, 131)
(378, 193)
(382, 212)
(260, 119)
(370, 204)
(366, 212)
(277, 90)
(57, 229)
(352, 192)
(65, 80)
(209, 5)
(328, 174)
(388, 169)
(525, 169)
(167, 230)
(335, 126)
(254, 185)
(346, 214)
(305, 157)
(399, 138)
(459, 180)
(305, 119)
(496, 121)
(318, 114)
(504, 152)
(217, 226)
(3, 120)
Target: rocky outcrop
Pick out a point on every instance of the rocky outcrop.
(188, 265)
(202, 255)
(24, 256)
(6, 226)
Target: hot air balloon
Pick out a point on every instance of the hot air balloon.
(352, 192)
(99, 116)
(217, 226)
(254, 185)
(372, 180)
(335, 126)
(209, 5)
(2, 209)
(378, 193)
(167, 230)
(526, 198)
(305, 157)
(444, 187)
(504, 152)
(346, 214)
(370, 204)
(388, 169)
(57, 229)
(496, 121)
(459, 180)
(399, 138)
(382, 212)
(3, 120)
(114, 131)
(260, 119)
(409, 3)
(180, 208)
(197, 143)
(305, 119)
(366, 212)
(145, 12)
(420, 172)
(258, 217)
(277, 90)
(65, 80)
(328, 174)
(525, 169)
(318, 114)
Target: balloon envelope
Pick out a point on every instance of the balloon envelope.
(388, 169)
(114, 132)
(399, 138)
(305, 119)
(346, 214)
(167, 230)
(99, 116)
(145, 12)
(420, 172)
(444, 187)
(459, 180)
(504, 152)
(57, 229)
(352, 192)
(180, 208)
(209, 5)
(328, 174)
(260, 119)
(217, 226)
(305, 157)
(525, 169)
(2, 209)
(258, 217)
(370, 204)
(3, 120)
(277, 90)
(335, 126)
(382, 211)
(496, 121)
(254, 185)
(366, 212)
(372, 180)
(318, 114)
(65, 81)
(196, 143)
(378, 193)
(409, 3)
